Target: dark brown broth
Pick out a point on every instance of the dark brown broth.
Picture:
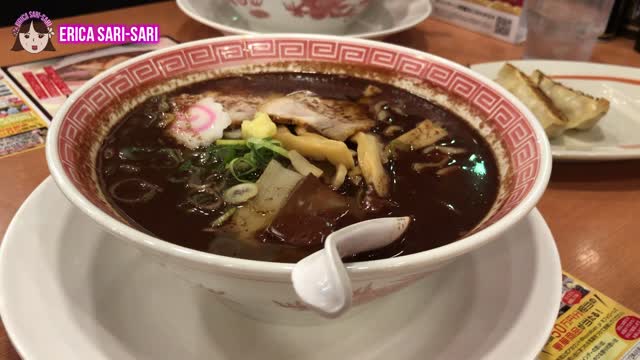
(444, 208)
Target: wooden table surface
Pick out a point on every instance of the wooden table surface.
(589, 207)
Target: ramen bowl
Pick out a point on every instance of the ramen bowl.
(261, 289)
(300, 16)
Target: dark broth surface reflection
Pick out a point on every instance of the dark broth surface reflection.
(444, 205)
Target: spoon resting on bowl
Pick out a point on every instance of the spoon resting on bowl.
(321, 280)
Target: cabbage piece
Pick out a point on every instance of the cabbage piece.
(424, 134)
(303, 166)
(316, 147)
(338, 178)
(274, 186)
(370, 161)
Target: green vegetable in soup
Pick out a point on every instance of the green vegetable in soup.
(242, 160)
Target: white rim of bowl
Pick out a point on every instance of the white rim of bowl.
(190, 12)
(264, 268)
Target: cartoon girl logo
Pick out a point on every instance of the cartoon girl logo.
(33, 33)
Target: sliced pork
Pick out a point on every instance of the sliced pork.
(335, 119)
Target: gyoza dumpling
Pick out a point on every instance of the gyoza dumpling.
(552, 119)
(582, 111)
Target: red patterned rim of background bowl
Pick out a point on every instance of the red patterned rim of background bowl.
(507, 120)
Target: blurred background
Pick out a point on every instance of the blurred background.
(624, 19)
(57, 9)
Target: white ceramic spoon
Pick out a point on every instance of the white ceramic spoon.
(321, 280)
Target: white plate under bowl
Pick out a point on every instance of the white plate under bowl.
(71, 291)
(383, 18)
(617, 135)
